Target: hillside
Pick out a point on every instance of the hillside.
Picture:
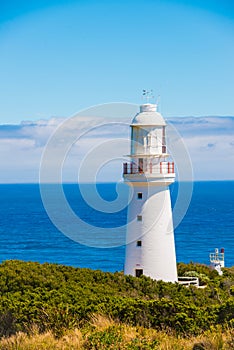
(60, 299)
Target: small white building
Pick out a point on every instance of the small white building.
(150, 248)
(217, 260)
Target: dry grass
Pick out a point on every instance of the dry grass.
(101, 322)
(131, 338)
(45, 341)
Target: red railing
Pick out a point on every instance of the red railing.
(161, 168)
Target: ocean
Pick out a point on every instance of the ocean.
(26, 232)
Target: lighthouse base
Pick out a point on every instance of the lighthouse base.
(150, 248)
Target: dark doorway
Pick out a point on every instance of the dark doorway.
(139, 272)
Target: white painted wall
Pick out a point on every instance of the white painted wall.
(156, 256)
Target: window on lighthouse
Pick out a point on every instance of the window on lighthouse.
(149, 140)
(139, 195)
(139, 244)
(139, 217)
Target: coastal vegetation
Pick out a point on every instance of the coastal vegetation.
(74, 308)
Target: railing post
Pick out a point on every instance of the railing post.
(151, 167)
(168, 167)
(160, 167)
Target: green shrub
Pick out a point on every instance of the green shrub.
(55, 297)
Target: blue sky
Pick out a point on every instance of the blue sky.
(59, 56)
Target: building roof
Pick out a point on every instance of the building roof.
(148, 116)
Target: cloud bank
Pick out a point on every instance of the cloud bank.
(209, 140)
(210, 143)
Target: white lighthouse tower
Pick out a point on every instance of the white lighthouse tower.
(150, 248)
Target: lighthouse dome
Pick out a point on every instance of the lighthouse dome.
(148, 116)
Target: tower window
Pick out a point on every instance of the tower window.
(139, 272)
(139, 195)
(139, 217)
(139, 243)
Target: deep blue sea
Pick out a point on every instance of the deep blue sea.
(27, 233)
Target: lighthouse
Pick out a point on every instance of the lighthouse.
(150, 246)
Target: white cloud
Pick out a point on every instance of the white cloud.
(209, 140)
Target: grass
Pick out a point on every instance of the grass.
(103, 333)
